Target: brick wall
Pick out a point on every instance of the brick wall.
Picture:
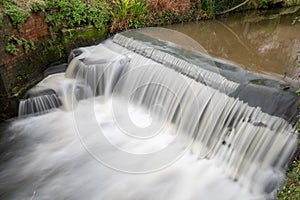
(21, 71)
(13, 67)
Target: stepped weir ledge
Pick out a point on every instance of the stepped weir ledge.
(141, 118)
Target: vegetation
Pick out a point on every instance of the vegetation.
(17, 15)
(14, 44)
(291, 189)
(74, 13)
(163, 12)
(128, 14)
(119, 15)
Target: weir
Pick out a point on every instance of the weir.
(43, 101)
(141, 118)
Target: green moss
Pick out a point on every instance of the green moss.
(72, 38)
(22, 91)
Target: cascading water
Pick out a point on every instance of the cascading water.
(39, 104)
(144, 119)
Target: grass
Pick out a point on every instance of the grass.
(128, 14)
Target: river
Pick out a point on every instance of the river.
(260, 41)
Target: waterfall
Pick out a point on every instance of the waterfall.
(39, 104)
(140, 118)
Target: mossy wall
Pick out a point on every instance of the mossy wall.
(22, 70)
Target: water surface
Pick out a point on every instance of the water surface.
(264, 42)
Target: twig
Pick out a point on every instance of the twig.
(232, 9)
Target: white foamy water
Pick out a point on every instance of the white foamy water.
(54, 164)
(136, 122)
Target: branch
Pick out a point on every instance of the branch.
(232, 9)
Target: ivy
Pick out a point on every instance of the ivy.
(99, 14)
(12, 49)
(17, 15)
(14, 44)
(75, 13)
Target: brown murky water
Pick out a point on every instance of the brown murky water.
(263, 42)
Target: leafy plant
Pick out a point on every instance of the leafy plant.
(12, 49)
(120, 15)
(31, 44)
(263, 3)
(16, 14)
(138, 14)
(38, 5)
(26, 47)
(14, 44)
(74, 13)
(99, 13)
(208, 8)
(128, 14)
(15, 89)
(56, 49)
(291, 190)
(66, 13)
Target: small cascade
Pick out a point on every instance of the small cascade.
(40, 104)
(179, 121)
(99, 69)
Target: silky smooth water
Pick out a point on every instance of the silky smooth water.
(138, 122)
(53, 163)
